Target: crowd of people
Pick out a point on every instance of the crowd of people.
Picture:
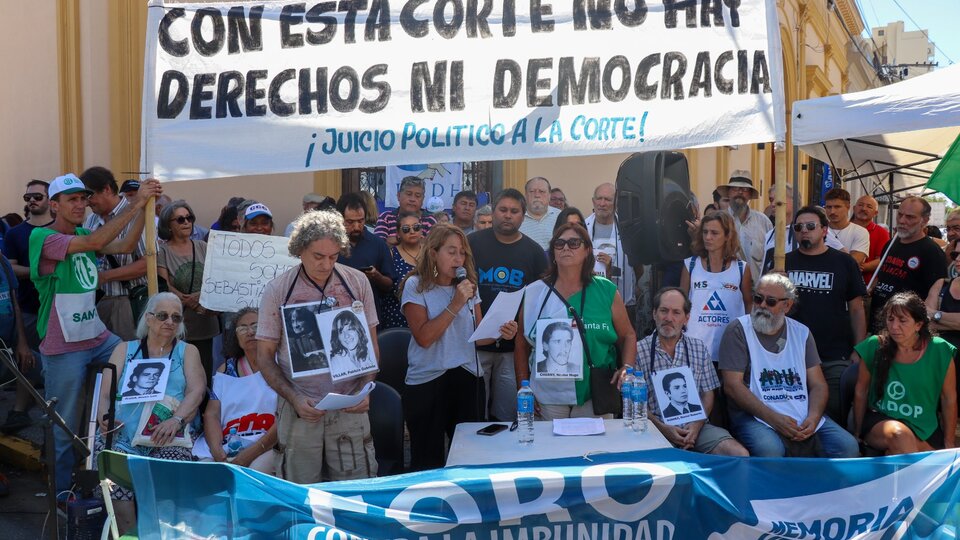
(767, 352)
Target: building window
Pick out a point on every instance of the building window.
(880, 32)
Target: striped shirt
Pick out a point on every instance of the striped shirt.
(690, 351)
(116, 288)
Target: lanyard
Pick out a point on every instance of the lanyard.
(723, 267)
(321, 290)
(577, 317)
(143, 347)
(653, 351)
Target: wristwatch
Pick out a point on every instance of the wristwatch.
(937, 315)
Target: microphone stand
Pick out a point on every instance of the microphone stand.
(51, 417)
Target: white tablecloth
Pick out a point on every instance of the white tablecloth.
(468, 448)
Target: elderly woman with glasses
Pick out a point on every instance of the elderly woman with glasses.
(406, 253)
(241, 399)
(160, 332)
(591, 304)
(180, 264)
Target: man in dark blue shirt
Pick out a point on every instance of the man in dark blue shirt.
(15, 248)
(368, 252)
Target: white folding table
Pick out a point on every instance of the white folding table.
(468, 448)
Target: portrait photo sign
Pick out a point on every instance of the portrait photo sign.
(350, 346)
(305, 346)
(559, 350)
(144, 380)
(677, 396)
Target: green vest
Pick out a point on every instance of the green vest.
(601, 337)
(912, 391)
(73, 283)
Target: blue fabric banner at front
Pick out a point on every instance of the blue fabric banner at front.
(657, 494)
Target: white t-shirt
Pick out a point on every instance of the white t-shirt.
(853, 237)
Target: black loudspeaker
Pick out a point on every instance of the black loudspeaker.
(654, 202)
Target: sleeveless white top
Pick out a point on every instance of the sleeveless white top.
(716, 299)
(779, 380)
(246, 403)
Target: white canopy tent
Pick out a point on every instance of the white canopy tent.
(890, 138)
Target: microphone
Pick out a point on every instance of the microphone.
(459, 275)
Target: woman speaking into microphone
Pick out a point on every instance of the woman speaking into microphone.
(442, 307)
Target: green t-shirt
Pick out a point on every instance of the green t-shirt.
(601, 337)
(912, 392)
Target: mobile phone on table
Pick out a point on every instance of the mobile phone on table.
(492, 429)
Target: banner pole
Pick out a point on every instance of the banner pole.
(150, 227)
(780, 198)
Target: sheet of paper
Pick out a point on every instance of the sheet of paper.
(503, 309)
(334, 402)
(578, 426)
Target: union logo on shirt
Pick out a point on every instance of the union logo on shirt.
(714, 303)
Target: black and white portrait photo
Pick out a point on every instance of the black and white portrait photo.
(304, 342)
(351, 347)
(559, 350)
(677, 396)
(145, 379)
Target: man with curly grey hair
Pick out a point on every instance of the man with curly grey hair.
(771, 373)
(310, 440)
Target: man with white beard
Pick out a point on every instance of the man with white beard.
(752, 226)
(771, 373)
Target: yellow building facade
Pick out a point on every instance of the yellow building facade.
(78, 71)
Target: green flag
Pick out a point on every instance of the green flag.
(946, 177)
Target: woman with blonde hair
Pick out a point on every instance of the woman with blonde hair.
(444, 380)
(718, 283)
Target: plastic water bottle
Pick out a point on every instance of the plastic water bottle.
(525, 414)
(626, 390)
(640, 402)
(234, 443)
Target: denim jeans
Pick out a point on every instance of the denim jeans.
(763, 441)
(64, 376)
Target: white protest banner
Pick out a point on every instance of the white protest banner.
(442, 180)
(283, 86)
(238, 266)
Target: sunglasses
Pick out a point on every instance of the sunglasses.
(810, 225)
(247, 329)
(163, 316)
(572, 243)
(184, 219)
(29, 197)
(407, 228)
(770, 301)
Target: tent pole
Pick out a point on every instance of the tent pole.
(780, 196)
(890, 201)
(796, 182)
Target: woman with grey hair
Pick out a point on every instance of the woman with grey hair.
(180, 264)
(160, 332)
(317, 445)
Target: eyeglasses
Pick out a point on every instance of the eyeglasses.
(29, 197)
(407, 228)
(245, 329)
(163, 316)
(572, 243)
(951, 228)
(770, 301)
(184, 219)
(810, 225)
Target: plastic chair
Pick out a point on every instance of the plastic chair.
(386, 427)
(112, 466)
(393, 357)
